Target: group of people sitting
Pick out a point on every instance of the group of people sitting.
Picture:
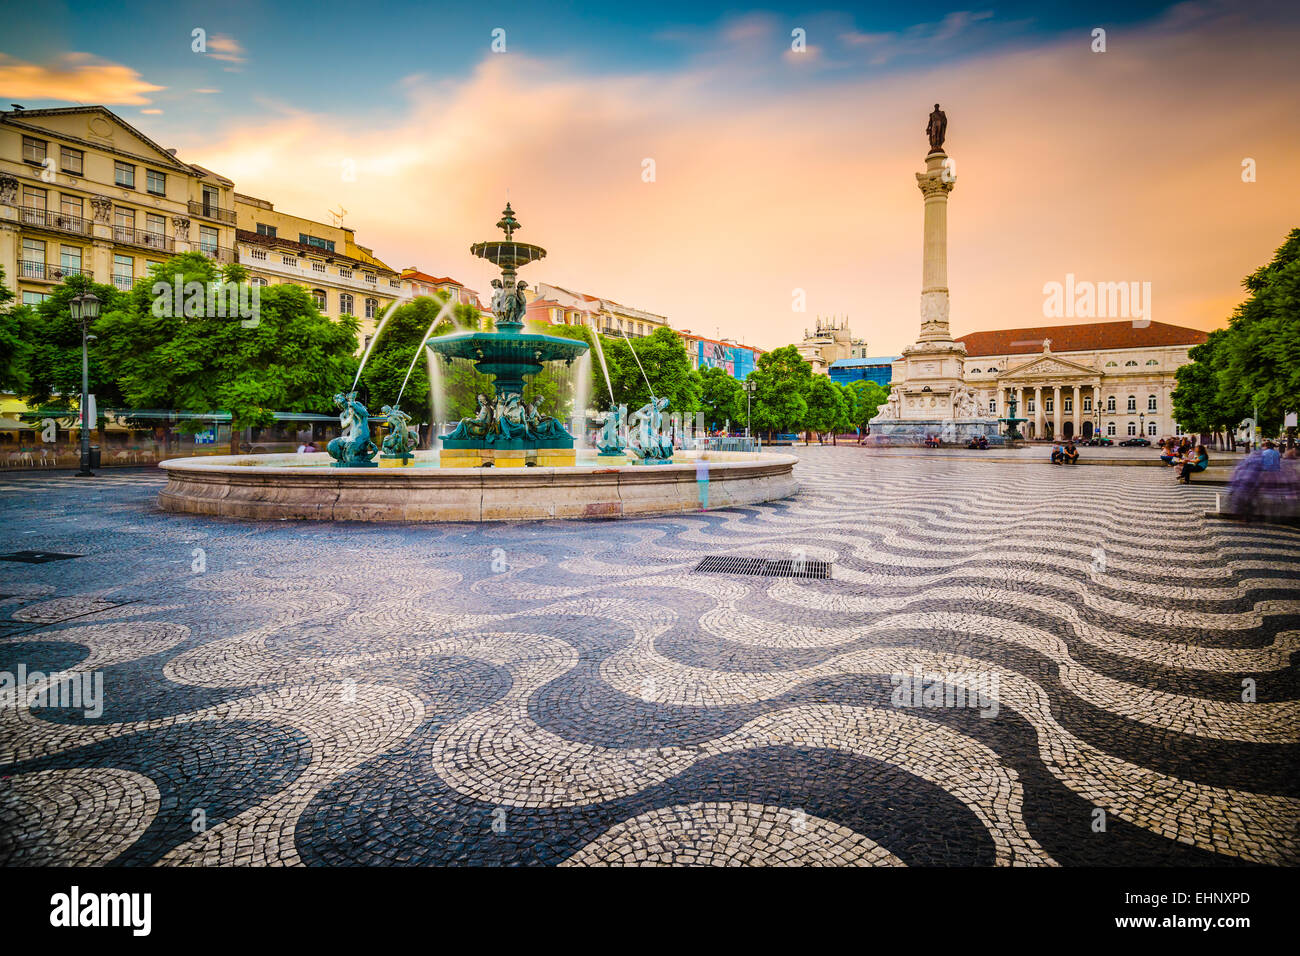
(1179, 454)
(979, 442)
(1064, 454)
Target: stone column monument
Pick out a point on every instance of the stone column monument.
(932, 397)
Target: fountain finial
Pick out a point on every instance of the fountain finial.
(508, 223)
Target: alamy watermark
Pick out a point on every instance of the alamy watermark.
(82, 691)
(1084, 299)
(977, 690)
(208, 300)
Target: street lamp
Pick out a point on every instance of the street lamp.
(1142, 425)
(85, 309)
(749, 386)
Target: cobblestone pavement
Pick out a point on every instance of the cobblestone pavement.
(574, 693)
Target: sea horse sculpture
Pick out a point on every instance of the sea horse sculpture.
(650, 446)
(401, 439)
(609, 443)
(353, 448)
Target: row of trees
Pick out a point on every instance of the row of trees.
(295, 359)
(1253, 364)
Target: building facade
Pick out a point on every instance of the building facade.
(82, 192)
(735, 359)
(1073, 380)
(556, 305)
(419, 283)
(830, 341)
(344, 278)
(879, 369)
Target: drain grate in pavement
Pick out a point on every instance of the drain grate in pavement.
(37, 557)
(763, 567)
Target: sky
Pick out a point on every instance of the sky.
(780, 176)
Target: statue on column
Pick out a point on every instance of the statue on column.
(937, 128)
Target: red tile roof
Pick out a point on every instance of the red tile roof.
(1085, 337)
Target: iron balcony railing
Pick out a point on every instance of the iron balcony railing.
(124, 282)
(143, 237)
(51, 271)
(209, 211)
(48, 219)
(219, 253)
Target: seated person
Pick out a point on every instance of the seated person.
(1168, 453)
(1192, 465)
(1070, 453)
(1058, 455)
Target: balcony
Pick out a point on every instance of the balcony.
(219, 253)
(209, 211)
(56, 221)
(49, 271)
(142, 237)
(124, 282)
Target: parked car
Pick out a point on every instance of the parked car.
(1136, 442)
(1099, 440)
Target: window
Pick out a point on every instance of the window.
(1130, 364)
(372, 308)
(208, 240)
(1110, 403)
(1068, 404)
(123, 271)
(123, 217)
(211, 200)
(1153, 362)
(71, 206)
(264, 230)
(70, 260)
(124, 174)
(1151, 403)
(345, 304)
(1132, 428)
(976, 371)
(1049, 405)
(155, 224)
(1151, 429)
(34, 150)
(993, 405)
(155, 182)
(71, 160)
(34, 198)
(1132, 403)
(991, 370)
(306, 240)
(1110, 365)
(320, 298)
(1110, 429)
(1087, 404)
(34, 298)
(33, 263)
(257, 281)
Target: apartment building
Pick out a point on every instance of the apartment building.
(556, 305)
(83, 192)
(344, 277)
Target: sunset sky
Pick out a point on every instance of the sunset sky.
(775, 170)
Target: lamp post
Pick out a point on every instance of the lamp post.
(749, 387)
(85, 309)
(1142, 425)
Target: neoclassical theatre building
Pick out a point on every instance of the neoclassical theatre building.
(1072, 380)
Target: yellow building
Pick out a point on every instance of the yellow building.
(344, 278)
(84, 192)
(560, 306)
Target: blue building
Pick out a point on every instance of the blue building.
(736, 360)
(878, 370)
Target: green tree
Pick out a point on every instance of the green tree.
(782, 379)
(825, 406)
(53, 362)
(663, 356)
(293, 359)
(1260, 364)
(390, 359)
(1205, 399)
(722, 398)
(865, 397)
(15, 349)
(557, 386)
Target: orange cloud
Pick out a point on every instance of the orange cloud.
(74, 77)
(1122, 166)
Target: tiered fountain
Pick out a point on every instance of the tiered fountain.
(479, 473)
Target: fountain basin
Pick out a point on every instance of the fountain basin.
(270, 487)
